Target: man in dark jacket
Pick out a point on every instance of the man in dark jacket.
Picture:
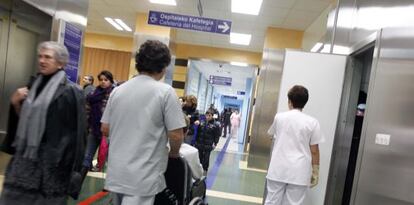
(226, 121)
(207, 138)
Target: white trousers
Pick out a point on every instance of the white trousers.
(122, 199)
(279, 193)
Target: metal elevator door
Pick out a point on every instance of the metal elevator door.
(21, 30)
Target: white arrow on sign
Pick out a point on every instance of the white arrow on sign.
(224, 26)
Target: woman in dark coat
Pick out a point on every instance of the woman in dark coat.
(48, 140)
(190, 110)
(95, 106)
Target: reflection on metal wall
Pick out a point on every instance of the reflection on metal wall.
(23, 27)
(386, 168)
(23, 24)
(385, 171)
(357, 19)
(265, 107)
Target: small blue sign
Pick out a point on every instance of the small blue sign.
(241, 93)
(189, 22)
(230, 97)
(219, 80)
(73, 42)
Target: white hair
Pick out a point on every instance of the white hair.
(61, 53)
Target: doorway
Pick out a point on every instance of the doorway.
(225, 86)
(349, 128)
(362, 66)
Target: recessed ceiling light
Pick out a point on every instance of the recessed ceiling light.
(251, 7)
(240, 38)
(238, 64)
(123, 25)
(114, 24)
(165, 2)
(316, 47)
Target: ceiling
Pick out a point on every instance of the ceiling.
(239, 75)
(290, 14)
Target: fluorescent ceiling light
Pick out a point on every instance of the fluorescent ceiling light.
(251, 7)
(165, 2)
(114, 24)
(240, 38)
(123, 25)
(238, 64)
(316, 47)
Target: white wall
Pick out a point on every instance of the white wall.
(315, 32)
(322, 75)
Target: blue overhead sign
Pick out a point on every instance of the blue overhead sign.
(241, 93)
(219, 80)
(189, 22)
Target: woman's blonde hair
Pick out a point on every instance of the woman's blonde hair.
(192, 99)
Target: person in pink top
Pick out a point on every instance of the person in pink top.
(235, 123)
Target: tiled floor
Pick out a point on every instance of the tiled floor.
(231, 185)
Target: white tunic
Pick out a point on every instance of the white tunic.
(139, 114)
(293, 133)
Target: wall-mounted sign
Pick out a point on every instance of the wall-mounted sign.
(241, 93)
(219, 80)
(230, 97)
(72, 39)
(189, 22)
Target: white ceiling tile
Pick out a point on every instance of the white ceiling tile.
(296, 24)
(279, 3)
(311, 5)
(302, 15)
(292, 14)
(274, 12)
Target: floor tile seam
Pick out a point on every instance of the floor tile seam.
(233, 196)
(243, 166)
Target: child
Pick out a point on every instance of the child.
(207, 138)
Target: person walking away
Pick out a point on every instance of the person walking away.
(141, 118)
(227, 122)
(190, 109)
(235, 123)
(95, 106)
(88, 87)
(294, 164)
(47, 136)
(206, 140)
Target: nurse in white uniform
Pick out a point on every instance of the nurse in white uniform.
(294, 165)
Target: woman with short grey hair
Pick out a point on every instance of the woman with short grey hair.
(45, 135)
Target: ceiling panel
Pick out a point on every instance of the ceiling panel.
(314, 5)
(292, 14)
(287, 4)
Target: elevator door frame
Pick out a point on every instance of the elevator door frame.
(345, 126)
(26, 18)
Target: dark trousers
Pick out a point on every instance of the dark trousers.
(228, 125)
(204, 155)
(91, 147)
